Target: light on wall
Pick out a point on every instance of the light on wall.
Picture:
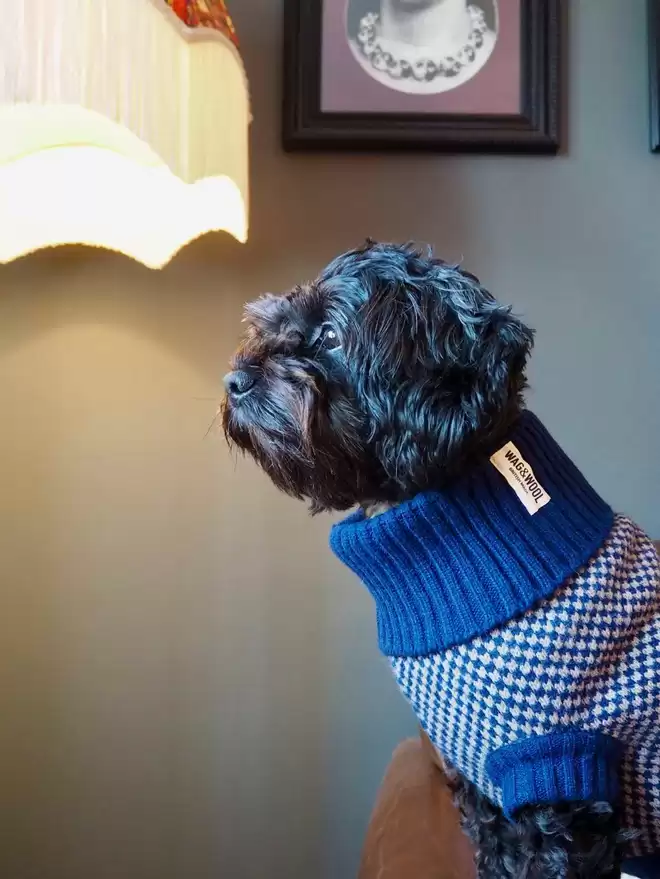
(123, 125)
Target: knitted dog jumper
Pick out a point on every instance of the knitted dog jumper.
(522, 621)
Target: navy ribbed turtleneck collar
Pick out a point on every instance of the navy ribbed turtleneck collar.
(447, 566)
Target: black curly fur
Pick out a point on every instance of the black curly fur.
(429, 372)
(571, 841)
(421, 373)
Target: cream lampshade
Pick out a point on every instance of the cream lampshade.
(123, 125)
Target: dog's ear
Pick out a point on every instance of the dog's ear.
(438, 366)
(501, 358)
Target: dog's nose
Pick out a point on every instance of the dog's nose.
(239, 382)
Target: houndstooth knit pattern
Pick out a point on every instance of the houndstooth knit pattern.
(586, 658)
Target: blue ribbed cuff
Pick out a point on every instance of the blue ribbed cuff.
(568, 766)
(644, 867)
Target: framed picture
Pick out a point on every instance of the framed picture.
(446, 75)
(654, 72)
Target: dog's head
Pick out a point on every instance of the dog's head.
(382, 378)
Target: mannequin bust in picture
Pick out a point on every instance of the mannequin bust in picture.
(424, 46)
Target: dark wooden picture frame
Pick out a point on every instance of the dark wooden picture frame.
(536, 129)
(653, 7)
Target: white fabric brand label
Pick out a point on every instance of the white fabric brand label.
(520, 477)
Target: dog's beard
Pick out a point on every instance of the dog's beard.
(309, 445)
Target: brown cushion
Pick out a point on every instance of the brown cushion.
(414, 832)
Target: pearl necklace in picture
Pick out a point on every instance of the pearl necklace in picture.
(424, 69)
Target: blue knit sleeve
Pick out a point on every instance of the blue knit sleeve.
(564, 766)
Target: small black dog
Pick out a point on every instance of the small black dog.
(392, 374)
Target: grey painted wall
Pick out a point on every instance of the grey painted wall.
(189, 682)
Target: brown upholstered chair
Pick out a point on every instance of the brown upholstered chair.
(414, 832)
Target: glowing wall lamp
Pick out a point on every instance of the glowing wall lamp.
(123, 125)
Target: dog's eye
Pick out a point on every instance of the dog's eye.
(328, 339)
